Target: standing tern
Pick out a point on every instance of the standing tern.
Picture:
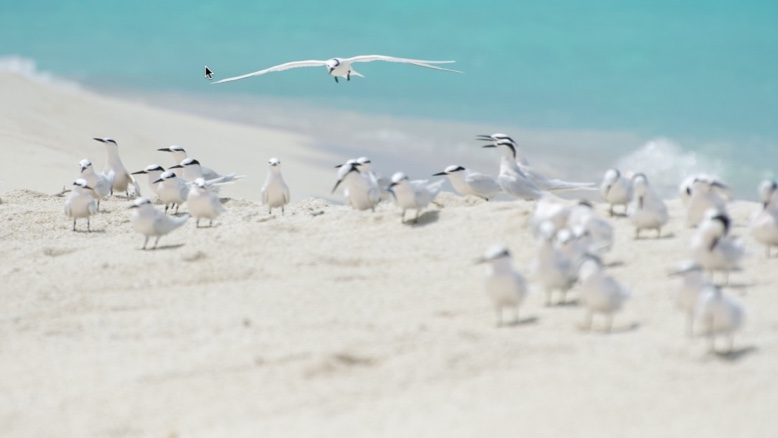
(342, 66)
(275, 192)
(720, 187)
(691, 289)
(511, 179)
(413, 195)
(179, 155)
(365, 167)
(540, 180)
(504, 285)
(713, 248)
(467, 182)
(80, 203)
(172, 190)
(595, 232)
(549, 210)
(720, 315)
(646, 210)
(149, 221)
(704, 194)
(600, 293)
(99, 182)
(153, 172)
(764, 225)
(193, 170)
(552, 268)
(203, 204)
(616, 189)
(122, 179)
(360, 191)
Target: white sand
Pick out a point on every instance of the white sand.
(327, 321)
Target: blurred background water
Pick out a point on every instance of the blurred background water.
(661, 87)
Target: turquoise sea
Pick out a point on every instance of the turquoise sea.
(698, 78)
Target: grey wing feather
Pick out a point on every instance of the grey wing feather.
(483, 183)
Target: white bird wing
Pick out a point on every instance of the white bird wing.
(164, 224)
(281, 67)
(482, 183)
(419, 62)
(286, 193)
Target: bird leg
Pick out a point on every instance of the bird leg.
(611, 210)
(156, 242)
(166, 207)
(637, 233)
(659, 232)
(499, 316)
(197, 223)
(348, 75)
(145, 242)
(177, 205)
(610, 323)
(589, 317)
(402, 218)
(74, 224)
(282, 211)
(210, 223)
(88, 230)
(336, 79)
(690, 324)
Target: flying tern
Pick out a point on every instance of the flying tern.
(342, 67)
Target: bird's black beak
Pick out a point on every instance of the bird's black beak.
(140, 172)
(439, 174)
(391, 185)
(164, 150)
(489, 146)
(89, 188)
(133, 206)
(336, 186)
(83, 168)
(483, 137)
(99, 139)
(158, 180)
(177, 166)
(338, 166)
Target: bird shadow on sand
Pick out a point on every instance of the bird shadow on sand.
(89, 232)
(523, 321)
(615, 264)
(655, 237)
(426, 218)
(567, 303)
(162, 247)
(734, 355)
(615, 330)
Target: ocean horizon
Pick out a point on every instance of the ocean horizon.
(664, 89)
